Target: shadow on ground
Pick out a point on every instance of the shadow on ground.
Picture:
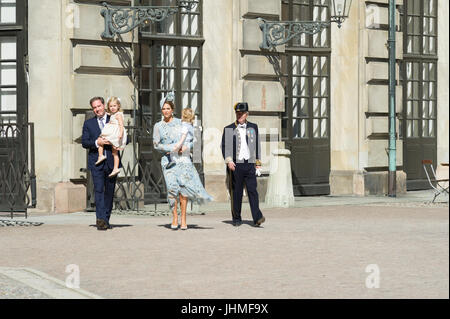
(244, 222)
(114, 225)
(190, 226)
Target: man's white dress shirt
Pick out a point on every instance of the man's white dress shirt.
(244, 152)
(101, 126)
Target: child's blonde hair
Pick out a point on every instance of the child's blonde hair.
(111, 100)
(187, 115)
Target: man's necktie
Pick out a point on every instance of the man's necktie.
(102, 125)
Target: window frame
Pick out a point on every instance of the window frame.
(290, 17)
(19, 31)
(420, 34)
(420, 58)
(309, 52)
(154, 91)
(151, 29)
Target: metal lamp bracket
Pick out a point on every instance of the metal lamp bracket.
(123, 19)
(281, 32)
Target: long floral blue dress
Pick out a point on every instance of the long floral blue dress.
(183, 177)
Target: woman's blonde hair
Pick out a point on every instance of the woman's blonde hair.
(111, 100)
(187, 115)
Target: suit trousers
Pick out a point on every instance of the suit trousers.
(104, 191)
(245, 174)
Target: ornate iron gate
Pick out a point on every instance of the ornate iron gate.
(17, 176)
(142, 181)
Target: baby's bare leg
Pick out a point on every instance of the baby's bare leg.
(100, 151)
(101, 157)
(115, 153)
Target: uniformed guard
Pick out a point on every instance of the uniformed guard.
(241, 150)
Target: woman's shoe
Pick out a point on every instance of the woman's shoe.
(114, 172)
(100, 159)
(183, 227)
(174, 226)
(170, 165)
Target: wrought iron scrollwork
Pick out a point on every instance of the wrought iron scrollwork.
(17, 175)
(142, 179)
(281, 32)
(188, 5)
(121, 19)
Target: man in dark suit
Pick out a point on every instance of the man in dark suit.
(103, 185)
(241, 150)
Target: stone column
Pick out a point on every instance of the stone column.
(359, 102)
(218, 71)
(46, 95)
(443, 84)
(346, 173)
(280, 192)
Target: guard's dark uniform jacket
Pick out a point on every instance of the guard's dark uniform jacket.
(231, 143)
(245, 169)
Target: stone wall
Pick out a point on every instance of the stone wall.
(443, 83)
(360, 64)
(69, 64)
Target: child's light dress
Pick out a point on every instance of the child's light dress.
(188, 129)
(111, 132)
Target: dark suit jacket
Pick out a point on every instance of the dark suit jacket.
(231, 143)
(91, 131)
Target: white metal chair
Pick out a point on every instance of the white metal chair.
(438, 185)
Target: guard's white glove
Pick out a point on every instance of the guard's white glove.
(258, 172)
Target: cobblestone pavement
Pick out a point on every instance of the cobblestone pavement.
(13, 289)
(329, 251)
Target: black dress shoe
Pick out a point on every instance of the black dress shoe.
(260, 221)
(101, 224)
(237, 223)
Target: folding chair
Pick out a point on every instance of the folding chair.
(436, 184)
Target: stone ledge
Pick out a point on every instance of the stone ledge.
(70, 198)
(216, 186)
(253, 8)
(362, 183)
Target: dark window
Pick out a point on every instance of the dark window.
(170, 55)
(419, 129)
(307, 92)
(171, 65)
(421, 99)
(13, 46)
(309, 96)
(15, 172)
(421, 27)
(308, 10)
(183, 23)
(306, 121)
(420, 69)
(165, 68)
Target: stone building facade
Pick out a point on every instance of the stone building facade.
(324, 97)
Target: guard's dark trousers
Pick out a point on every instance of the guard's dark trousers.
(244, 174)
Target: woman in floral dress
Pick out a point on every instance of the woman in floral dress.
(182, 180)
